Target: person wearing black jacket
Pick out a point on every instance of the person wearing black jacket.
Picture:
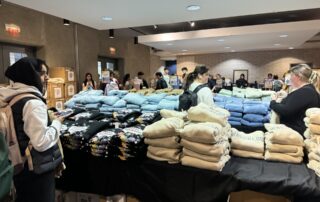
(292, 109)
(161, 83)
(242, 82)
(144, 83)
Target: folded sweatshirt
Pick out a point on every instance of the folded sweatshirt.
(198, 163)
(314, 165)
(314, 128)
(163, 128)
(172, 154)
(157, 158)
(247, 154)
(217, 149)
(253, 142)
(285, 136)
(166, 142)
(188, 152)
(271, 156)
(202, 132)
(280, 148)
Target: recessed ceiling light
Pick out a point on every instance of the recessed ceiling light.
(291, 48)
(221, 40)
(233, 51)
(227, 47)
(192, 23)
(169, 44)
(276, 44)
(184, 50)
(106, 18)
(284, 35)
(193, 7)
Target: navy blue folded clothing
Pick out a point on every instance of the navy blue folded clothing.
(251, 124)
(236, 114)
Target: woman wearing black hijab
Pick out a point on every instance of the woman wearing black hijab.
(29, 76)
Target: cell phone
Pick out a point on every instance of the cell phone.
(65, 113)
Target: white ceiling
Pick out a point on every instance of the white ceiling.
(133, 13)
(238, 39)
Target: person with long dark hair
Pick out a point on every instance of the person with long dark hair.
(127, 83)
(29, 77)
(88, 83)
(198, 77)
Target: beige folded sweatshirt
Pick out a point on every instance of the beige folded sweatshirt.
(217, 149)
(166, 142)
(157, 158)
(253, 142)
(313, 111)
(205, 113)
(279, 148)
(247, 154)
(314, 156)
(314, 165)
(163, 128)
(188, 152)
(172, 154)
(198, 163)
(166, 113)
(314, 128)
(285, 136)
(314, 119)
(281, 157)
(202, 132)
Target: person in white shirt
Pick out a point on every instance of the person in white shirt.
(29, 76)
(198, 77)
(166, 76)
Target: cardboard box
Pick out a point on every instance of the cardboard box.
(70, 89)
(83, 197)
(251, 196)
(56, 103)
(55, 91)
(62, 72)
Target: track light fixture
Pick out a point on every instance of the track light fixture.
(66, 22)
(111, 33)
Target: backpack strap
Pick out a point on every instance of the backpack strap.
(21, 96)
(196, 90)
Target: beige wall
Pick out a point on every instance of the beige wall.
(56, 43)
(155, 63)
(258, 63)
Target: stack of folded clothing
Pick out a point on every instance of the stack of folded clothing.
(205, 139)
(247, 145)
(220, 100)
(255, 113)
(127, 144)
(312, 135)
(99, 143)
(283, 144)
(163, 137)
(235, 107)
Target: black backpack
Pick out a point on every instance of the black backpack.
(189, 98)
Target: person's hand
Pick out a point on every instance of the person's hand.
(55, 117)
(274, 96)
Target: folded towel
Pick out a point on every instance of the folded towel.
(253, 142)
(198, 163)
(247, 154)
(166, 142)
(202, 132)
(172, 154)
(163, 128)
(271, 156)
(217, 149)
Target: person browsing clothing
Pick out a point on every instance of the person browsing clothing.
(29, 76)
(144, 83)
(161, 83)
(242, 82)
(198, 77)
(292, 108)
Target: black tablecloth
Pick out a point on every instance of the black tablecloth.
(150, 180)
